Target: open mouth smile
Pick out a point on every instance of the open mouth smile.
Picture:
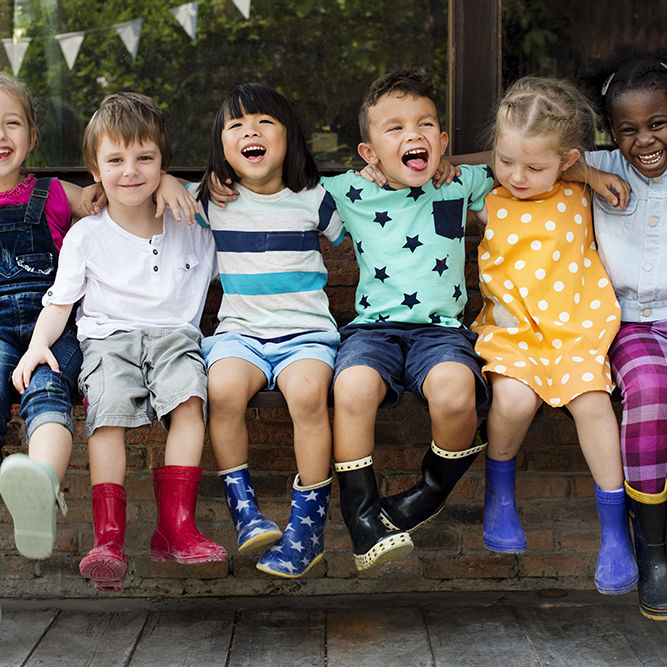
(650, 159)
(416, 159)
(253, 153)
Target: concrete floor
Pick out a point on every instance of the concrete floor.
(526, 628)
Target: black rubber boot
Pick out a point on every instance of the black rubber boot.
(373, 543)
(647, 513)
(441, 470)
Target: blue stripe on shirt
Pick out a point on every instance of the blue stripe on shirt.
(260, 284)
(282, 241)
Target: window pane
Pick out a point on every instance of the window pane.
(321, 54)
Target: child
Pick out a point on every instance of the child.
(632, 89)
(409, 242)
(142, 282)
(275, 326)
(549, 314)
(34, 216)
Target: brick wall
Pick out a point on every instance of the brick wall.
(554, 489)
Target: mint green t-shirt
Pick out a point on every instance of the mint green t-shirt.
(409, 245)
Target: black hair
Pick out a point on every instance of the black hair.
(627, 68)
(299, 168)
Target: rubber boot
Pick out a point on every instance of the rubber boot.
(503, 531)
(648, 514)
(253, 530)
(616, 571)
(32, 494)
(176, 537)
(105, 563)
(302, 543)
(441, 470)
(372, 541)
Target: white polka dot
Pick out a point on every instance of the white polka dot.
(499, 260)
(564, 317)
(519, 264)
(559, 286)
(488, 233)
(520, 364)
(538, 380)
(540, 274)
(536, 320)
(573, 267)
(500, 369)
(536, 245)
(577, 297)
(550, 225)
(611, 318)
(565, 379)
(542, 304)
(523, 345)
(556, 255)
(512, 239)
(488, 337)
(584, 201)
(554, 401)
(485, 278)
(561, 206)
(512, 330)
(508, 298)
(485, 256)
(569, 237)
(550, 381)
(523, 291)
(602, 334)
(601, 359)
(539, 336)
(532, 361)
(595, 304)
(545, 362)
(508, 284)
(557, 343)
(603, 282)
(587, 263)
(557, 359)
(587, 324)
(578, 219)
(502, 213)
(526, 217)
(577, 359)
(587, 377)
(568, 192)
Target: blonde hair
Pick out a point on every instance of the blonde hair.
(539, 106)
(128, 117)
(17, 90)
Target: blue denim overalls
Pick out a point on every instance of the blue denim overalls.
(28, 262)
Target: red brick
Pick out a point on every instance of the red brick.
(470, 567)
(555, 565)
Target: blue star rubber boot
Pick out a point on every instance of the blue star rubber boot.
(302, 543)
(648, 513)
(253, 530)
(32, 493)
(503, 531)
(616, 571)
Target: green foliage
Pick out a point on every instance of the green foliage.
(321, 54)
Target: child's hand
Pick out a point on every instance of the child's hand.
(221, 194)
(172, 193)
(445, 173)
(28, 362)
(373, 174)
(93, 198)
(610, 186)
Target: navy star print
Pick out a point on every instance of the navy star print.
(412, 243)
(354, 194)
(382, 318)
(456, 179)
(415, 193)
(457, 292)
(381, 274)
(440, 266)
(435, 319)
(410, 300)
(489, 171)
(360, 250)
(363, 302)
(382, 217)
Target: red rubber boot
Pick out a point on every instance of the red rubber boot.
(105, 563)
(176, 536)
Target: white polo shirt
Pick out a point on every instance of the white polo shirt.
(126, 282)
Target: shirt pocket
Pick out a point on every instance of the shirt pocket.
(185, 276)
(613, 220)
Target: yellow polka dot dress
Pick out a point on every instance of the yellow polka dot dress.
(550, 313)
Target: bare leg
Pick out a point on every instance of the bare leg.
(51, 444)
(106, 453)
(185, 440)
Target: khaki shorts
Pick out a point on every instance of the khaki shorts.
(131, 377)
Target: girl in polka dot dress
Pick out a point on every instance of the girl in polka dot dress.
(549, 314)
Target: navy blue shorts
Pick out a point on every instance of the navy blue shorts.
(404, 355)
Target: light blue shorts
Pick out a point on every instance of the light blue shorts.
(271, 356)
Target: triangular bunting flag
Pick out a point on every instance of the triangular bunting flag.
(186, 15)
(15, 47)
(243, 6)
(70, 43)
(129, 33)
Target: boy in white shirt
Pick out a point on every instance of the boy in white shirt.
(142, 281)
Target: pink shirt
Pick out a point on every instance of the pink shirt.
(58, 213)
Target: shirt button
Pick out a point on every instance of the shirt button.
(154, 251)
(155, 268)
(653, 222)
(646, 312)
(50, 293)
(187, 266)
(647, 267)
